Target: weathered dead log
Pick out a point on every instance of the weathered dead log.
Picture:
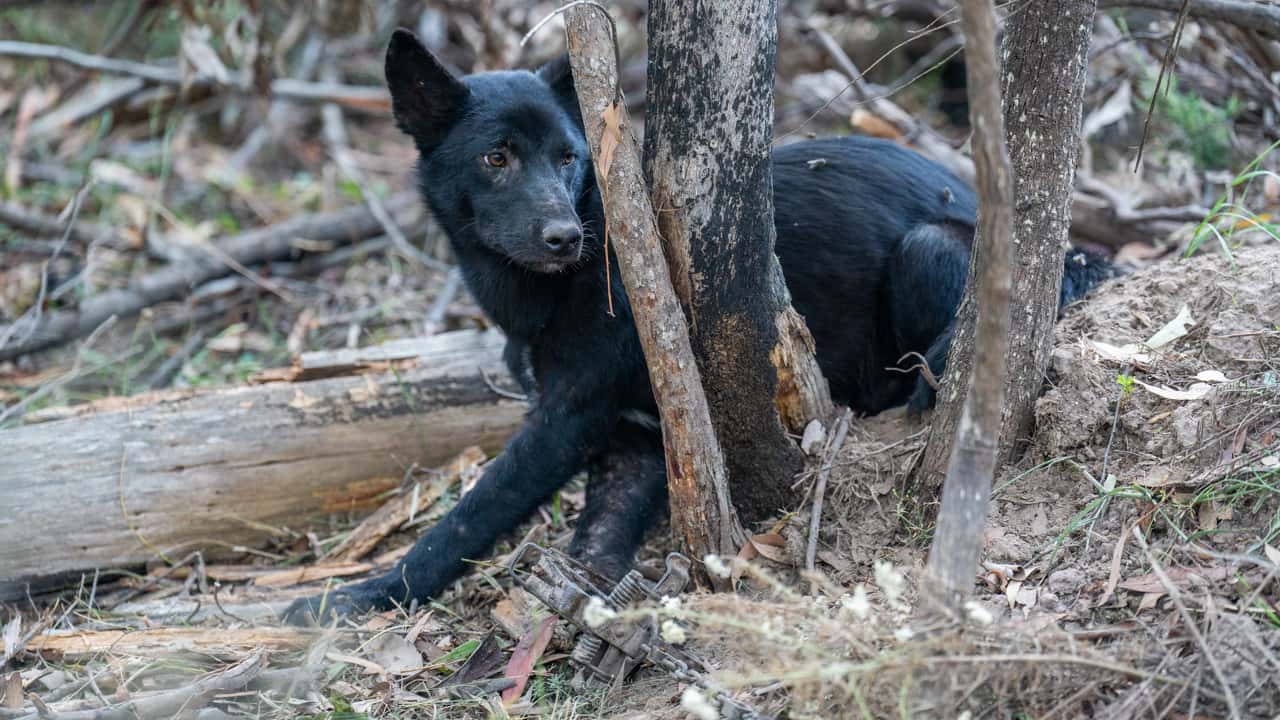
(129, 479)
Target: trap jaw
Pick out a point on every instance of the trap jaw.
(613, 649)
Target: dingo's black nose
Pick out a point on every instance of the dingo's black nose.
(562, 237)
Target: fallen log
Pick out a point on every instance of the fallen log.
(1263, 17)
(218, 258)
(127, 480)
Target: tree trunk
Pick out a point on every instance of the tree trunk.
(957, 542)
(1045, 49)
(708, 147)
(116, 483)
(699, 493)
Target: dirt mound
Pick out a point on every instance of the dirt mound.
(1173, 428)
(1202, 407)
(1161, 415)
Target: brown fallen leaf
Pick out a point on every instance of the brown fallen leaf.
(611, 137)
(526, 655)
(871, 124)
(998, 575)
(772, 546)
(484, 662)
(1179, 576)
(395, 654)
(1113, 580)
(511, 613)
(33, 101)
(1162, 477)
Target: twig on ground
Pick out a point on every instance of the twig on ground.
(440, 306)
(335, 137)
(499, 391)
(30, 320)
(164, 374)
(280, 115)
(170, 703)
(247, 248)
(1164, 79)
(370, 99)
(1106, 461)
(1122, 206)
(19, 408)
(1176, 597)
(820, 487)
(40, 225)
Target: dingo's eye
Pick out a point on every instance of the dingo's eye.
(568, 159)
(495, 159)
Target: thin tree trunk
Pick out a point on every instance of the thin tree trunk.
(700, 506)
(1045, 49)
(957, 542)
(708, 147)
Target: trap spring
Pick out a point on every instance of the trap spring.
(611, 650)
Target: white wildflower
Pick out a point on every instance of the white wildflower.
(858, 604)
(891, 582)
(696, 703)
(670, 603)
(716, 565)
(904, 634)
(673, 633)
(596, 613)
(978, 613)
(966, 715)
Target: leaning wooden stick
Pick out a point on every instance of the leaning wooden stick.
(966, 494)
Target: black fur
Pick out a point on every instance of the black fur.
(873, 239)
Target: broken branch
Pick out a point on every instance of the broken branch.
(247, 248)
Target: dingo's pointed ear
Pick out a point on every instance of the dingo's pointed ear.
(557, 74)
(426, 98)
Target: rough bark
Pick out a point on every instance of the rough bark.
(116, 484)
(708, 143)
(1045, 52)
(957, 542)
(700, 505)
